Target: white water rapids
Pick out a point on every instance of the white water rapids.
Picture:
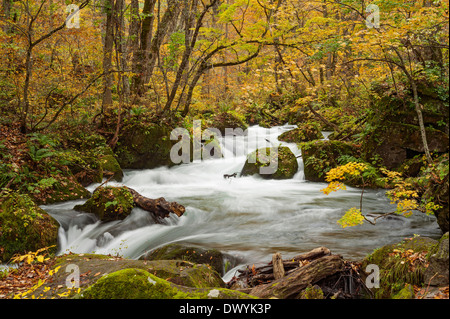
(246, 218)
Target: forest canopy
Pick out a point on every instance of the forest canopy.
(184, 56)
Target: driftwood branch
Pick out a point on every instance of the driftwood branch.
(159, 208)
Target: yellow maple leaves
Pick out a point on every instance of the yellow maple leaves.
(335, 176)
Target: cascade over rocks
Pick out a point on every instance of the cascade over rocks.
(114, 203)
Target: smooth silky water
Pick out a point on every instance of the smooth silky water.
(247, 218)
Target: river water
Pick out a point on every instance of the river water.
(246, 218)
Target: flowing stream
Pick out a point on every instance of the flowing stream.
(246, 218)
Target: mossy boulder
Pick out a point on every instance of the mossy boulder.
(271, 163)
(24, 226)
(401, 264)
(227, 119)
(111, 167)
(197, 255)
(320, 156)
(395, 142)
(109, 203)
(177, 273)
(91, 165)
(144, 145)
(135, 283)
(305, 133)
(437, 272)
(63, 188)
(439, 194)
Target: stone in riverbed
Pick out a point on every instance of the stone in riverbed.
(109, 203)
(271, 163)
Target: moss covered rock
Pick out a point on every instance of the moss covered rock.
(24, 226)
(437, 272)
(322, 155)
(271, 163)
(305, 133)
(93, 267)
(395, 142)
(109, 203)
(227, 119)
(111, 167)
(401, 264)
(135, 283)
(187, 276)
(197, 255)
(143, 145)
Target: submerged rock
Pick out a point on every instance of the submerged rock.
(271, 163)
(24, 227)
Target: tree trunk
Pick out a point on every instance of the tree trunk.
(107, 56)
(420, 118)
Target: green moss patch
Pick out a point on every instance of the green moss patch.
(279, 163)
(24, 226)
(109, 203)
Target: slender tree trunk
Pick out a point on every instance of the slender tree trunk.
(107, 55)
(420, 118)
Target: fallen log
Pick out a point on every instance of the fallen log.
(291, 285)
(159, 208)
(313, 254)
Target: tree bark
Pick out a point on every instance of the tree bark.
(107, 55)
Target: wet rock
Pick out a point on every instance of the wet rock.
(109, 203)
(271, 163)
(144, 146)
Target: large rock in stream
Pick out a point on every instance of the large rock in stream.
(116, 203)
(144, 146)
(271, 163)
